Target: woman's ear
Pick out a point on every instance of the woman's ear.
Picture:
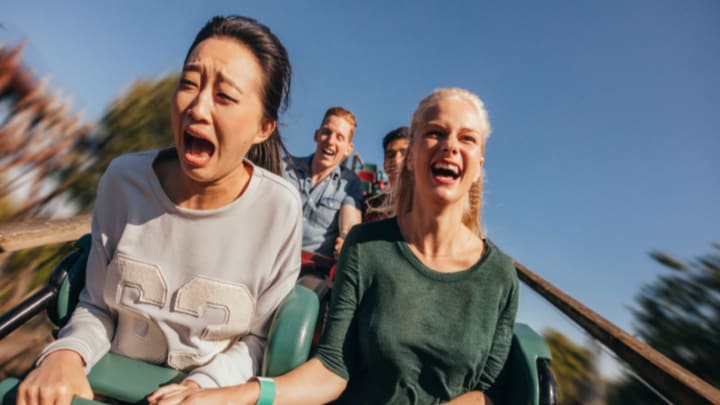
(267, 127)
(480, 169)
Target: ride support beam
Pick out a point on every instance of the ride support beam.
(669, 378)
(39, 232)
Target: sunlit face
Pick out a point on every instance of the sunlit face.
(394, 158)
(446, 154)
(334, 142)
(217, 112)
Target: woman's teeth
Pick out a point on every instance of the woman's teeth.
(445, 170)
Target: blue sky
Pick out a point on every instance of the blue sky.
(605, 115)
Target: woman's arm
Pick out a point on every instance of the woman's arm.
(311, 383)
(471, 398)
(502, 338)
(62, 366)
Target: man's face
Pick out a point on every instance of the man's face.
(334, 142)
(394, 158)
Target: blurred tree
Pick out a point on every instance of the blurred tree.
(45, 146)
(139, 120)
(575, 370)
(6, 209)
(679, 315)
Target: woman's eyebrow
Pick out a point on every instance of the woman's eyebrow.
(192, 67)
(196, 67)
(435, 124)
(225, 79)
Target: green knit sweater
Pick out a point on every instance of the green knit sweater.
(402, 333)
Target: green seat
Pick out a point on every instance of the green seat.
(526, 377)
(130, 380)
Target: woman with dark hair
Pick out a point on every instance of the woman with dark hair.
(423, 304)
(176, 274)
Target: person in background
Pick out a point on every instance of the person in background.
(395, 144)
(330, 192)
(177, 273)
(423, 304)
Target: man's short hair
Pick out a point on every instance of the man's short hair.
(395, 134)
(342, 113)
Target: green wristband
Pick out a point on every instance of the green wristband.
(267, 391)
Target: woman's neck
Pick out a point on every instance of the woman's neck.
(439, 239)
(186, 193)
(434, 231)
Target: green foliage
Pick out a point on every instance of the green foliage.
(574, 369)
(28, 269)
(140, 120)
(679, 315)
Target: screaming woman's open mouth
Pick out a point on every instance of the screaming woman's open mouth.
(198, 151)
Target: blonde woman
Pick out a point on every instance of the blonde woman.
(423, 305)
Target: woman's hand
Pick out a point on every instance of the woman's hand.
(173, 393)
(472, 397)
(55, 381)
(245, 394)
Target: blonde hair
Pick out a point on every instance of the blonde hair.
(402, 193)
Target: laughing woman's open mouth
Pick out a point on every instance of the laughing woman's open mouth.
(445, 172)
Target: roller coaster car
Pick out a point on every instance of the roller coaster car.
(526, 378)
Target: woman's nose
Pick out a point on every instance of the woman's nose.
(200, 108)
(450, 144)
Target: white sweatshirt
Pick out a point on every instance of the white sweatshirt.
(192, 289)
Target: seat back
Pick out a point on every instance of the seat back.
(526, 377)
(69, 278)
(291, 332)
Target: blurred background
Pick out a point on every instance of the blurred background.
(602, 169)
